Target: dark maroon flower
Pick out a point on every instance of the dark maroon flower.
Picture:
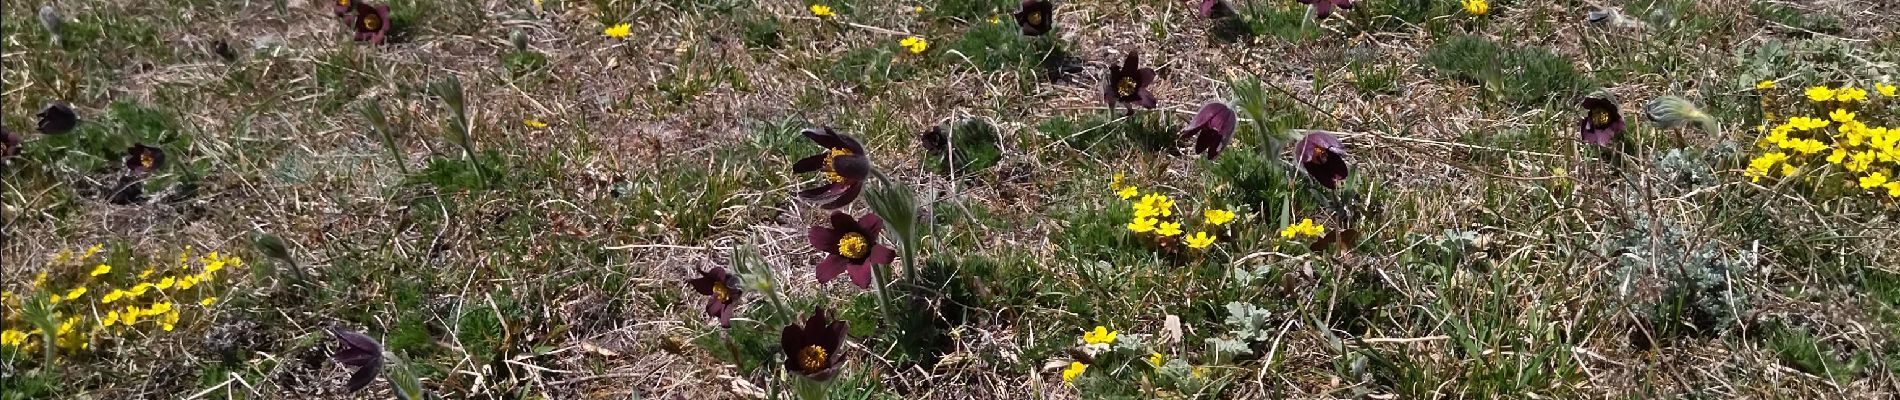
(1323, 158)
(1211, 129)
(852, 246)
(1036, 17)
(1601, 121)
(1128, 84)
(816, 348)
(843, 164)
(360, 352)
(142, 159)
(341, 7)
(372, 21)
(57, 118)
(1212, 8)
(722, 293)
(1324, 8)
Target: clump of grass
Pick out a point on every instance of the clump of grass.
(968, 146)
(1523, 76)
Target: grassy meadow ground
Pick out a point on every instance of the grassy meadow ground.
(1499, 256)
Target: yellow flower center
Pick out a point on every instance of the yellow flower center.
(721, 293)
(831, 172)
(853, 245)
(1126, 87)
(1600, 118)
(146, 160)
(372, 22)
(1319, 154)
(1034, 18)
(811, 358)
(343, 3)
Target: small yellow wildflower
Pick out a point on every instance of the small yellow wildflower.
(618, 31)
(1874, 180)
(39, 281)
(167, 283)
(1142, 225)
(1075, 370)
(139, 290)
(147, 273)
(169, 320)
(1155, 359)
(1168, 229)
(1788, 170)
(1893, 189)
(1820, 93)
(188, 282)
(91, 251)
(1838, 156)
(1766, 84)
(12, 338)
(53, 300)
(1200, 240)
(1127, 192)
(67, 326)
(1101, 335)
(1805, 146)
(1218, 217)
(996, 19)
(1477, 7)
(75, 293)
(159, 308)
(1144, 210)
(1885, 89)
(208, 301)
(915, 44)
(130, 316)
(101, 269)
(822, 11)
(111, 318)
(1840, 115)
(1851, 95)
(533, 123)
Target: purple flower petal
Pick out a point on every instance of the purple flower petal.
(830, 268)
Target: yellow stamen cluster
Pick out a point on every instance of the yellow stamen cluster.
(811, 358)
(853, 245)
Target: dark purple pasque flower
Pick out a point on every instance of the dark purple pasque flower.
(816, 348)
(1036, 17)
(843, 164)
(852, 246)
(1601, 121)
(372, 21)
(141, 159)
(1212, 8)
(722, 293)
(341, 7)
(1323, 158)
(1211, 129)
(1128, 84)
(1324, 8)
(57, 118)
(357, 351)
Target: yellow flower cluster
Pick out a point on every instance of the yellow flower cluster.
(917, 45)
(822, 11)
(1852, 135)
(125, 300)
(1154, 214)
(1306, 227)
